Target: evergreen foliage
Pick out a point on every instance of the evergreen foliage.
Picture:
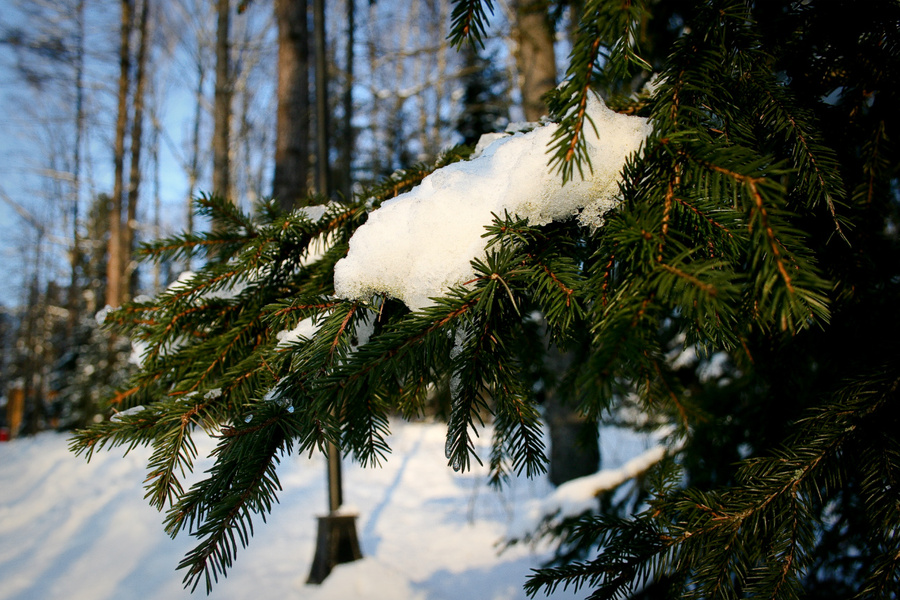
(758, 227)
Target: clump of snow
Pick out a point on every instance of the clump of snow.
(125, 413)
(184, 282)
(181, 281)
(314, 212)
(101, 315)
(139, 349)
(364, 330)
(320, 244)
(418, 245)
(709, 368)
(680, 358)
(304, 331)
(307, 328)
(653, 84)
(462, 335)
(316, 249)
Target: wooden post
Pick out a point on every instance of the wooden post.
(336, 541)
(15, 409)
(335, 483)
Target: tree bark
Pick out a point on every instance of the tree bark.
(322, 180)
(134, 176)
(289, 186)
(396, 142)
(74, 299)
(347, 141)
(114, 292)
(574, 449)
(435, 143)
(535, 56)
(194, 169)
(222, 102)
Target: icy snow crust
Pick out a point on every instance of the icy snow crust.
(419, 244)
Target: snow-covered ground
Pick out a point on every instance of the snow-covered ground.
(76, 530)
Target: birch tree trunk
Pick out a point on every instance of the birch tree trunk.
(435, 141)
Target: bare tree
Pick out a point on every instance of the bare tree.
(191, 29)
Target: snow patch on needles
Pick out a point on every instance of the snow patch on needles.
(117, 418)
(419, 244)
(304, 331)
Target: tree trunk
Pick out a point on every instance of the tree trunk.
(194, 169)
(535, 57)
(435, 143)
(347, 140)
(396, 140)
(74, 300)
(574, 452)
(322, 181)
(222, 102)
(157, 199)
(114, 292)
(134, 175)
(289, 186)
(373, 108)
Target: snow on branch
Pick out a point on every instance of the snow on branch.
(578, 496)
(420, 244)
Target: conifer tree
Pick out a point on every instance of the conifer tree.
(755, 229)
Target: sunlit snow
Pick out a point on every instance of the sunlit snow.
(418, 245)
(81, 531)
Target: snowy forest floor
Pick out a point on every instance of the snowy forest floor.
(76, 530)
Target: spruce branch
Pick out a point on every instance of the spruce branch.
(816, 163)
(220, 512)
(608, 35)
(468, 22)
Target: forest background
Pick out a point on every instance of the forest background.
(124, 108)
